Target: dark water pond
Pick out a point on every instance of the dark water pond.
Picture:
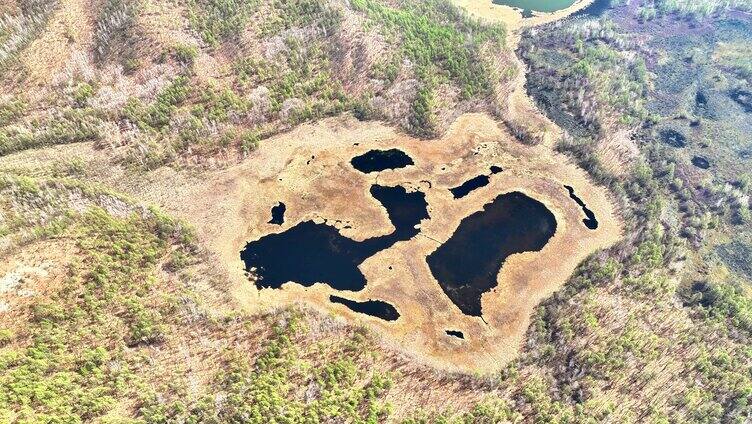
(673, 138)
(473, 184)
(468, 186)
(700, 162)
(590, 221)
(467, 265)
(455, 333)
(374, 308)
(743, 98)
(311, 253)
(278, 214)
(381, 160)
(701, 100)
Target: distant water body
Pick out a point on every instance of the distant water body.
(537, 5)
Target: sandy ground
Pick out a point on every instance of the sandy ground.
(308, 169)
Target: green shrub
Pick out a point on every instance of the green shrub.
(71, 126)
(217, 20)
(185, 55)
(10, 111)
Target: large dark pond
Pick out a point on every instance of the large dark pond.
(467, 265)
(311, 253)
(375, 308)
(381, 160)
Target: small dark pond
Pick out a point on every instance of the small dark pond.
(468, 186)
(310, 253)
(700, 162)
(278, 214)
(590, 220)
(673, 138)
(467, 265)
(455, 333)
(743, 98)
(381, 160)
(473, 184)
(374, 308)
(701, 100)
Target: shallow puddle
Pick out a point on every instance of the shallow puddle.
(743, 98)
(673, 138)
(473, 184)
(455, 333)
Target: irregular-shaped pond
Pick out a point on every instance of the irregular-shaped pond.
(467, 265)
(590, 220)
(381, 160)
(374, 308)
(455, 333)
(311, 253)
(673, 138)
(278, 214)
(473, 184)
(700, 162)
